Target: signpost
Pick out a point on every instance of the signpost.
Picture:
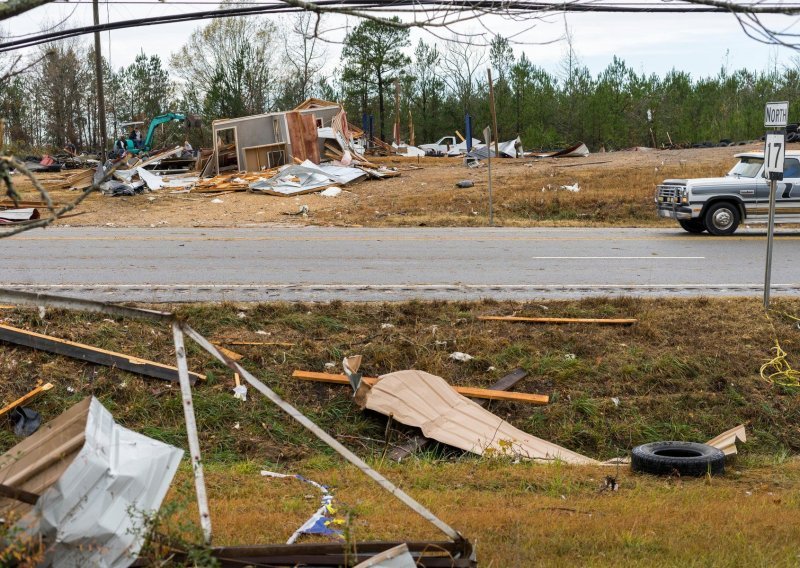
(487, 136)
(776, 115)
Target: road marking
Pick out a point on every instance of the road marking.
(654, 257)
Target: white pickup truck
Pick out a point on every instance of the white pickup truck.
(718, 205)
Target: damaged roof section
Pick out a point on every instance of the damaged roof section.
(95, 482)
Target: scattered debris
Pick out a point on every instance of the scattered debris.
(462, 357)
(396, 557)
(578, 150)
(332, 191)
(307, 178)
(92, 354)
(488, 394)
(240, 390)
(463, 184)
(417, 398)
(303, 211)
(417, 442)
(17, 215)
(217, 200)
(94, 481)
(727, 440)
(25, 420)
(323, 521)
(575, 188)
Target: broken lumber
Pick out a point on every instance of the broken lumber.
(601, 321)
(92, 354)
(232, 355)
(25, 398)
(419, 441)
(466, 391)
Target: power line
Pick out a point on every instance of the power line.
(449, 8)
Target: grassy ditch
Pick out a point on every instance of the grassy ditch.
(688, 370)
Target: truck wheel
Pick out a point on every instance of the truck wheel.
(687, 458)
(722, 218)
(692, 225)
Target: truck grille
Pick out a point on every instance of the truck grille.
(668, 193)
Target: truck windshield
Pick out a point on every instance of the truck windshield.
(747, 167)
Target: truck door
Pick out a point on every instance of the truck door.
(787, 200)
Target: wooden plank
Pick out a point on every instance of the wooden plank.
(232, 355)
(92, 354)
(25, 398)
(294, 123)
(18, 494)
(600, 321)
(310, 137)
(419, 441)
(279, 343)
(466, 391)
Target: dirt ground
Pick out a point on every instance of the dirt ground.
(616, 189)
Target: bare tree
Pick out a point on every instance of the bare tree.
(305, 54)
(462, 63)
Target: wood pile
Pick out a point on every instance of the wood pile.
(76, 180)
(231, 182)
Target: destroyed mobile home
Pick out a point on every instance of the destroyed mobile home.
(56, 469)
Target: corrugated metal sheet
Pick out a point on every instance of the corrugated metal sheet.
(96, 479)
(417, 398)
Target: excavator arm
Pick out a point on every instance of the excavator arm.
(158, 120)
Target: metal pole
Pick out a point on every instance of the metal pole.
(98, 74)
(494, 114)
(191, 432)
(773, 188)
(489, 164)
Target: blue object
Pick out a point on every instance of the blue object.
(468, 128)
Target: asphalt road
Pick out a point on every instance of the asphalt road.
(179, 265)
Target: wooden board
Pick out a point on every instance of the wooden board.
(466, 391)
(92, 354)
(25, 398)
(303, 136)
(559, 320)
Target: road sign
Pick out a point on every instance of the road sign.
(774, 153)
(776, 114)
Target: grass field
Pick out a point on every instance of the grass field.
(687, 370)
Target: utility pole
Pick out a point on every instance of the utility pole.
(397, 111)
(98, 73)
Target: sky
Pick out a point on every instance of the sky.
(700, 44)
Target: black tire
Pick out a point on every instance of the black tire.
(722, 218)
(694, 226)
(686, 458)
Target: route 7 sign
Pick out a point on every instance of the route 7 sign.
(774, 153)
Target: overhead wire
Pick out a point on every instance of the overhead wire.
(455, 8)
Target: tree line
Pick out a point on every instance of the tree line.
(240, 66)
